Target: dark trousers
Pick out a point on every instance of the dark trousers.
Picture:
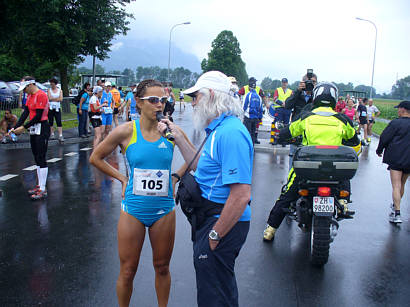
(283, 115)
(82, 122)
(251, 124)
(54, 114)
(39, 145)
(289, 193)
(215, 274)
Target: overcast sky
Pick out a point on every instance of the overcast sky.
(284, 38)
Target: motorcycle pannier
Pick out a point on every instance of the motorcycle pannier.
(325, 163)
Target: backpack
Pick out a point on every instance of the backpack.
(253, 105)
(76, 99)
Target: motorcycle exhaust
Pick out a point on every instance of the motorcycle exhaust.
(302, 206)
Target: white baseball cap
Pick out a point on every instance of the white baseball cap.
(213, 80)
(108, 83)
(25, 83)
(97, 89)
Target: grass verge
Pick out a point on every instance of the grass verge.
(378, 127)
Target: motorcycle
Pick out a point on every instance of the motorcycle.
(323, 174)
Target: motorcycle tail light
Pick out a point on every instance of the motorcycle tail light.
(303, 192)
(344, 193)
(324, 191)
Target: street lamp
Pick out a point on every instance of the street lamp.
(374, 55)
(169, 47)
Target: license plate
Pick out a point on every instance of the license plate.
(323, 204)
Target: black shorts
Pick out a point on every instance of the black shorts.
(371, 121)
(363, 120)
(116, 111)
(400, 169)
(96, 122)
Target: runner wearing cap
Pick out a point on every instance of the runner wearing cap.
(395, 142)
(254, 124)
(223, 173)
(36, 109)
(95, 114)
(107, 104)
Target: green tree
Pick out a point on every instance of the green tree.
(225, 56)
(365, 88)
(401, 90)
(266, 84)
(60, 32)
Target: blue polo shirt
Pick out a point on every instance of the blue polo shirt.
(227, 158)
(86, 101)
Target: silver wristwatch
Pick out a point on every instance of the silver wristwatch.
(213, 235)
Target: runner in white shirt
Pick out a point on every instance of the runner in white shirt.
(372, 113)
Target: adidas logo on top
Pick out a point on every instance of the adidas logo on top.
(162, 145)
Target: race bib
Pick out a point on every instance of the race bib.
(151, 182)
(55, 105)
(107, 110)
(35, 129)
(364, 114)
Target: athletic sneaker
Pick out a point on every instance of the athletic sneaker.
(269, 233)
(34, 190)
(39, 195)
(396, 219)
(61, 139)
(4, 140)
(369, 140)
(52, 136)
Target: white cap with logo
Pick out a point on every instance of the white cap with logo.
(25, 83)
(212, 80)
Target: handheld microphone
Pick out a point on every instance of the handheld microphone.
(167, 132)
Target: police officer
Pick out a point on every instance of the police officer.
(339, 128)
(281, 94)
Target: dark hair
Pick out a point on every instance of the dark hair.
(8, 110)
(143, 85)
(86, 85)
(365, 100)
(53, 80)
(28, 78)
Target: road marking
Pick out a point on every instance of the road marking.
(7, 177)
(85, 148)
(54, 160)
(30, 168)
(70, 154)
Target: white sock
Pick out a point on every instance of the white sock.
(38, 175)
(43, 178)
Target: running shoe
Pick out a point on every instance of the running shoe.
(396, 219)
(61, 139)
(52, 136)
(269, 233)
(369, 140)
(4, 140)
(34, 190)
(39, 195)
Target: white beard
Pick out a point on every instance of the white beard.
(199, 119)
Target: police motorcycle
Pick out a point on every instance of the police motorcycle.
(324, 173)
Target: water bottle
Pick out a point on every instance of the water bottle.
(13, 137)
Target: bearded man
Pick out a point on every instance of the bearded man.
(223, 172)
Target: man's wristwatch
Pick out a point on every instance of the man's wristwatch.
(214, 236)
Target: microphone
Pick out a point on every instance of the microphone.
(167, 132)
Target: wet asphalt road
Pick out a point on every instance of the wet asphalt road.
(63, 251)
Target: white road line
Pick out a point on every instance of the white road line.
(54, 160)
(70, 154)
(85, 148)
(30, 168)
(7, 177)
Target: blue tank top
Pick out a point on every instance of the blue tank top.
(149, 169)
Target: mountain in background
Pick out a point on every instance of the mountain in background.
(128, 53)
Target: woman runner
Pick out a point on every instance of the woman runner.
(37, 109)
(147, 193)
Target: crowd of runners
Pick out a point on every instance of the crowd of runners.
(223, 171)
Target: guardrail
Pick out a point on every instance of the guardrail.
(67, 107)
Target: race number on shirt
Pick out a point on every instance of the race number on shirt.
(364, 113)
(107, 110)
(151, 182)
